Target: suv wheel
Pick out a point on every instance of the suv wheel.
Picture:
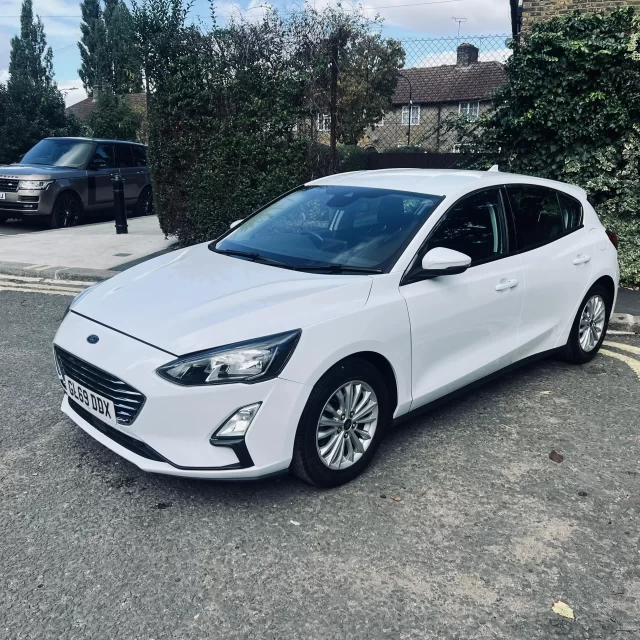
(342, 424)
(66, 211)
(589, 327)
(144, 206)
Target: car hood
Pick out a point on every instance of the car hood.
(35, 171)
(194, 299)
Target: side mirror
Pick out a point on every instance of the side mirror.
(97, 163)
(444, 262)
(235, 223)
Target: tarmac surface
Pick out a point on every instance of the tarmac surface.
(463, 527)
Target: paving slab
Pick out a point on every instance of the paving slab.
(88, 252)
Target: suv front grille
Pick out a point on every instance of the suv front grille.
(126, 400)
(7, 184)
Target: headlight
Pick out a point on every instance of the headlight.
(77, 298)
(250, 361)
(34, 184)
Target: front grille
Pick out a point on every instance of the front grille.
(124, 440)
(126, 400)
(7, 184)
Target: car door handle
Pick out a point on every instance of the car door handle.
(509, 284)
(582, 259)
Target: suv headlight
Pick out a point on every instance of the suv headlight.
(250, 361)
(34, 184)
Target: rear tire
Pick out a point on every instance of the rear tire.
(144, 205)
(66, 212)
(359, 389)
(589, 327)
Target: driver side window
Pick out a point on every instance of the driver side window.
(475, 226)
(104, 154)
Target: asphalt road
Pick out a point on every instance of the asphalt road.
(462, 528)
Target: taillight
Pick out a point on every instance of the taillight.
(613, 237)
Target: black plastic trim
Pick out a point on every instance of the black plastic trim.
(238, 446)
(140, 448)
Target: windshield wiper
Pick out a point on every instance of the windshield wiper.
(256, 257)
(337, 268)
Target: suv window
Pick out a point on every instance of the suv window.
(105, 152)
(475, 226)
(124, 157)
(571, 212)
(139, 155)
(537, 215)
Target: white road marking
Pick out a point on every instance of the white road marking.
(30, 287)
(34, 267)
(46, 266)
(48, 291)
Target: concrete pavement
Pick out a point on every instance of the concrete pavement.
(86, 252)
(463, 528)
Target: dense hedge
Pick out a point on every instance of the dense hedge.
(232, 109)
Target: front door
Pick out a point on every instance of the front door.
(99, 173)
(556, 253)
(465, 326)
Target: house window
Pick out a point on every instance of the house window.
(415, 114)
(469, 110)
(324, 122)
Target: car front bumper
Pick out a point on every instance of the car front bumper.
(29, 202)
(171, 433)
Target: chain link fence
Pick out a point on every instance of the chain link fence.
(443, 79)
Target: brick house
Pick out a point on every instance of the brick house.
(426, 97)
(526, 12)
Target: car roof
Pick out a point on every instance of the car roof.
(439, 182)
(105, 140)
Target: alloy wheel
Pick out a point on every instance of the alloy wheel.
(68, 211)
(347, 425)
(592, 321)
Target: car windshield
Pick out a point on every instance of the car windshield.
(59, 152)
(337, 227)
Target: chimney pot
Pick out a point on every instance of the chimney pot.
(467, 54)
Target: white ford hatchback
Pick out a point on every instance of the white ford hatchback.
(297, 338)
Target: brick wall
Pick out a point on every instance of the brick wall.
(534, 10)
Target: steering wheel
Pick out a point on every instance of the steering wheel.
(317, 240)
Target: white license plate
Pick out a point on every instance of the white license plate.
(2, 195)
(95, 404)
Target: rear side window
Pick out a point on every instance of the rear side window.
(139, 155)
(474, 226)
(124, 157)
(537, 215)
(571, 212)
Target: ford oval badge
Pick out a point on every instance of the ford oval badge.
(92, 339)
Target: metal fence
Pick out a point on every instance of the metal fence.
(443, 79)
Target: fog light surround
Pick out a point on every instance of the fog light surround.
(238, 424)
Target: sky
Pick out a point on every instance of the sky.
(402, 19)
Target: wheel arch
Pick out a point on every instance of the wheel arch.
(384, 367)
(608, 283)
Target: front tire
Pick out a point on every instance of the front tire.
(589, 327)
(342, 424)
(66, 211)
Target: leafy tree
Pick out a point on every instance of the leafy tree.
(94, 70)
(33, 105)
(110, 58)
(114, 118)
(570, 111)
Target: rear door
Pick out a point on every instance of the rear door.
(465, 326)
(556, 253)
(134, 179)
